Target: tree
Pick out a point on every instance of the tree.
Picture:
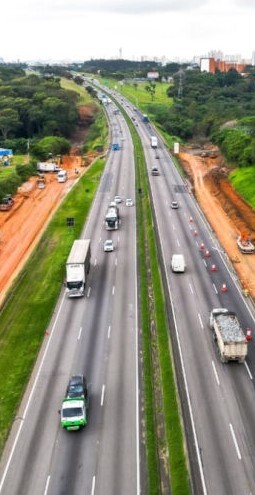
(151, 89)
(9, 121)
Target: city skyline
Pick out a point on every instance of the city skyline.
(65, 30)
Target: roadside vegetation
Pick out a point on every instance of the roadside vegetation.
(31, 300)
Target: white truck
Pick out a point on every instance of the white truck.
(154, 142)
(228, 335)
(112, 218)
(77, 267)
(47, 167)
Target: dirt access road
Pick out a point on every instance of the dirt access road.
(225, 210)
(22, 226)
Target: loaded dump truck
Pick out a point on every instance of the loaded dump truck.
(112, 218)
(77, 267)
(228, 335)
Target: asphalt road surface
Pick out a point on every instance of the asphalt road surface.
(95, 335)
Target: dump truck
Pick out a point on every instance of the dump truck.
(112, 218)
(228, 335)
(77, 267)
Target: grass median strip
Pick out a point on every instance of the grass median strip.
(174, 442)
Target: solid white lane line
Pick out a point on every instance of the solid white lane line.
(205, 263)
(30, 396)
(109, 331)
(47, 485)
(235, 442)
(89, 290)
(102, 395)
(177, 242)
(215, 289)
(248, 370)
(93, 485)
(200, 321)
(79, 336)
(191, 288)
(215, 372)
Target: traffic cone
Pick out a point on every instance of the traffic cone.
(190, 219)
(195, 232)
(207, 254)
(213, 268)
(224, 288)
(248, 334)
(202, 246)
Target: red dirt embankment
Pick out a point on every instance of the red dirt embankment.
(228, 214)
(21, 227)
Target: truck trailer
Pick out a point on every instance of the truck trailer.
(154, 142)
(112, 218)
(228, 335)
(47, 167)
(77, 267)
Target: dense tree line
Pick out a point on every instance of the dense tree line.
(34, 107)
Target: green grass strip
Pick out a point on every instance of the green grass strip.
(34, 294)
(179, 477)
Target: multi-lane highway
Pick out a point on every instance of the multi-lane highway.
(96, 336)
(221, 398)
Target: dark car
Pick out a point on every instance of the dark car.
(77, 387)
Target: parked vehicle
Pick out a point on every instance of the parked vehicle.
(228, 335)
(6, 203)
(62, 176)
(47, 167)
(245, 245)
(77, 267)
(178, 263)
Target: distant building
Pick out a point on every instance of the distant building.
(209, 64)
(152, 75)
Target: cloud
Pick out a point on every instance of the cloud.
(130, 7)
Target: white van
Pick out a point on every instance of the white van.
(178, 263)
(62, 176)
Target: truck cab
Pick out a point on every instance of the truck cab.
(73, 414)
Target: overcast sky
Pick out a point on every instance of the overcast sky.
(83, 29)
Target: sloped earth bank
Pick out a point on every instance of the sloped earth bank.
(225, 210)
(21, 227)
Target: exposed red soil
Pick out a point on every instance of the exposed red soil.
(21, 227)
(228, 214)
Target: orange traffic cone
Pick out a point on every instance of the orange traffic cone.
(224, 288)
(195, 232)
(213, 268)
(202, 246)
(207, 254)
(190, 219)
(248, 334)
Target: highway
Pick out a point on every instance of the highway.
(98, 336)
(220, 397)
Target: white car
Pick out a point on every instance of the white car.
(118, 199)
(174, 205)
(129, 202)
(108, 245)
